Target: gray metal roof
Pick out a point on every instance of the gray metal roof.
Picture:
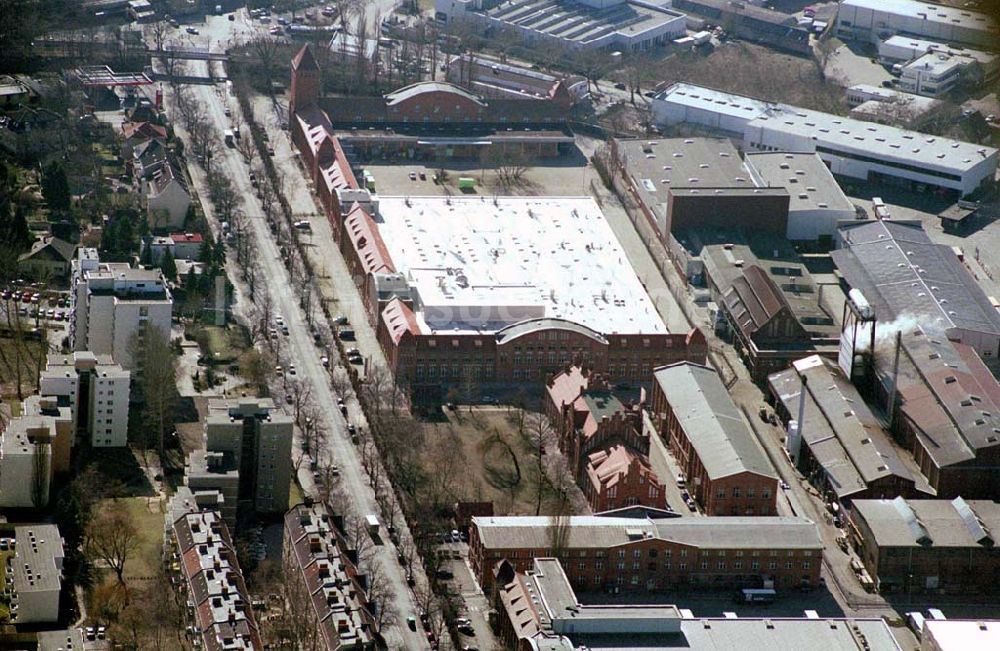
(755, 634)
(534, 325)
(721, 438)
(899, 269)
(939, 523)
(597, 532)
(419, 88)
(842, 433)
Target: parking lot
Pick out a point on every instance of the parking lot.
(33, 303)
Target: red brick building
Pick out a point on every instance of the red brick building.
(509, 350)
(725, 469)
(603, 441)
(631, 554)
(618, 476)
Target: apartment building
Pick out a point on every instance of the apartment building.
(326, 580)
(219, 608)
(247, 456)
(642, 554)
(928, 546)
(35, 574)
(97, 392)
(603, 440)
(26, 461)
(111, 303)
(724, 466)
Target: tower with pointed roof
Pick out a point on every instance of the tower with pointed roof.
(306, 82)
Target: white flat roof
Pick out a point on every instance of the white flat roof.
(884, 141)
(716, 101)
(933, 13)
(960, 635)
(482, 263)
(924, 45)
(937, 63)
(869, 138)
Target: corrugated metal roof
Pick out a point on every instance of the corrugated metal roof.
(721, 438)
(944, 523)
(904, 272)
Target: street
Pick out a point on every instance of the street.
(300, 347)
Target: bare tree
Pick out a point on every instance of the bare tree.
(112, 537)
(266, 50)
(155, 381)
(40, 471)
(381, 595)
(510, 167)
(541, 440)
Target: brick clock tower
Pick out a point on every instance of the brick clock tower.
(305, 80)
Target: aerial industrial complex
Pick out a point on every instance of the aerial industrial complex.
(521, 325)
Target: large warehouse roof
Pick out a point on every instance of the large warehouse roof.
(902, 271)
(925, 11)
(485, 263)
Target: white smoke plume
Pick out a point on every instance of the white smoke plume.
(885, 332)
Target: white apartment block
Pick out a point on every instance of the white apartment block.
(111, 302)
(247, 457)
(97, 391)
(26, 461)
(36, 572)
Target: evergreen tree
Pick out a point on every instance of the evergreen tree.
(14, 230)
(55, 187)
(168, 266)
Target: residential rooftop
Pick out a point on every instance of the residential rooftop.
(324, 564)
(480, 264)
(37, 564)
(711, 421)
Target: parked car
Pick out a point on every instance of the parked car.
(191, 30)
(691, 505)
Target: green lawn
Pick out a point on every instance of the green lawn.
(145, 563)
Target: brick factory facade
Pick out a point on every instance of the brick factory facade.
(642, 554)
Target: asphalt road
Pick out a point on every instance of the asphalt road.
(301, 350)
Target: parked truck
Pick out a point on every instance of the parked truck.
(373, 524)
(229, 137)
